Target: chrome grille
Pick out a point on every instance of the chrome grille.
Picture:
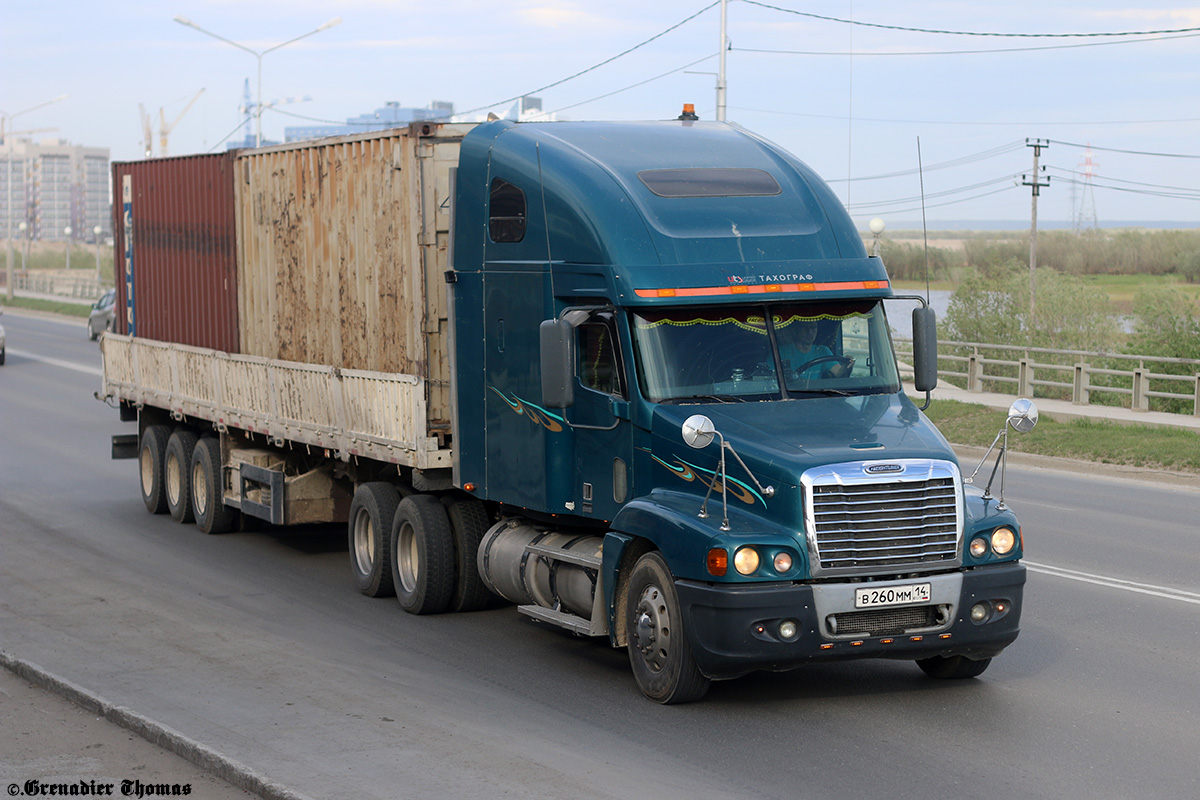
(864, 523)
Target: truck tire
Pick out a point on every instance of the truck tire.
(177, 471)
(422, 551)
(659, 652)
(151, 455)
(468, 523)
(370, 537)
(953, 667)
(208, 489)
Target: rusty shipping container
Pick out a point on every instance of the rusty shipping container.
(174, 230)
(342, 247)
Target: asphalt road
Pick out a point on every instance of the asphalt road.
(257, 645)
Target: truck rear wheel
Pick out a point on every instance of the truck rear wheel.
(151, 455)
(208, 490)
(468, 523)
(659, 652)
(953, 667)
(371, 514)
(422, 555)
(177, 472)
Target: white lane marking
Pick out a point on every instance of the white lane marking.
(58, 362)
(1116, 583)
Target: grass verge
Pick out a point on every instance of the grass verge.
(52, 306)
(1100, 441)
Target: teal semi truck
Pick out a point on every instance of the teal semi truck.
(636, 378)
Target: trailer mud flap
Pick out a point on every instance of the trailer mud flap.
(125, 445)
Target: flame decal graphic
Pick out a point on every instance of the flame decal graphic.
(535, 413)
(708, 478)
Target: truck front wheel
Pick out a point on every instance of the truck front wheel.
(177, 470)
(151, 456)
(659, 652)
(422, 555)
(953, 667)
(371, 515)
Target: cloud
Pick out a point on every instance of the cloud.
(560, 15)
(1175, 17)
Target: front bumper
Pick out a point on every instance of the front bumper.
(734, 630)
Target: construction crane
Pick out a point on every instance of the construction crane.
(164, 129)
(147, 136)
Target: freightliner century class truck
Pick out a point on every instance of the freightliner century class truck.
(635, 378)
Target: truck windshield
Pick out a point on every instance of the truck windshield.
(740, 353)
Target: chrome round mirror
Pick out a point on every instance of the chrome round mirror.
(1022, 415)
(698, 431)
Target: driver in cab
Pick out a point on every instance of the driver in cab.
(808, 360)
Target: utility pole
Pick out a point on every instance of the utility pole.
(721, 68)
(1037, 145)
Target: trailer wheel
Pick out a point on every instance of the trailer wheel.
(208, 490)
(468, 523)
(371, 514)
(177, 474)
(659, 652)
(151, 456)
(953, 667)
(422, 555)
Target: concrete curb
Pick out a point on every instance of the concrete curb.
(233, 772)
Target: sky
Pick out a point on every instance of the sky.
(858, 96)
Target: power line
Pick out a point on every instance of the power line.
(944, 193)
(965, 33)
(1128, 152)
(938, 205)
(864, 53)
(635, 85)
(1133, 183)
(595, 67)
(957, 162)
(1024, 124)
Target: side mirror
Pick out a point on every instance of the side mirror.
(698, 431)
(924, 326)
(1022, 415)
(558, 371)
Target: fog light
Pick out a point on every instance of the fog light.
(787, 630)
(1003, 541)
(980, 612)
(745, 560)
(783, 563)
(979, 547)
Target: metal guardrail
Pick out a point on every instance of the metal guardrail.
(80, 288)
(992, 367)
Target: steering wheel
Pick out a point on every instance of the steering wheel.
(845, 361)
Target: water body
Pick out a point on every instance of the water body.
(900, 311)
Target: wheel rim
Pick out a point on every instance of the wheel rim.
(199, 489)
(364, 542)
(173, 476)
(652, 628)
(147, 464)
(408, 562)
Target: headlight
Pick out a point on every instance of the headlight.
(783, 563)
(1003, 541)
(979, 547)
(745, 560)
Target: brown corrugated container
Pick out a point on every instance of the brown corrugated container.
(181, 223)
(342, 251)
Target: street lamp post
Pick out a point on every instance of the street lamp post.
(67, 231)
(8, 136)
(259, 56)
(24, 243)
(96, 232)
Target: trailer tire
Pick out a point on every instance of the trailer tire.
(422, 550)
(208, 490)
(953, 667)
(177, 471)
(151, 456)
(468, 523)
(370, 537)
(659, 652)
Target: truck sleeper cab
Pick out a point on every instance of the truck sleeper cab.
(641, 384)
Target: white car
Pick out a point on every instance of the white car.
(1, 341)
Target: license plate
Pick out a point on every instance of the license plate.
(892, 595)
